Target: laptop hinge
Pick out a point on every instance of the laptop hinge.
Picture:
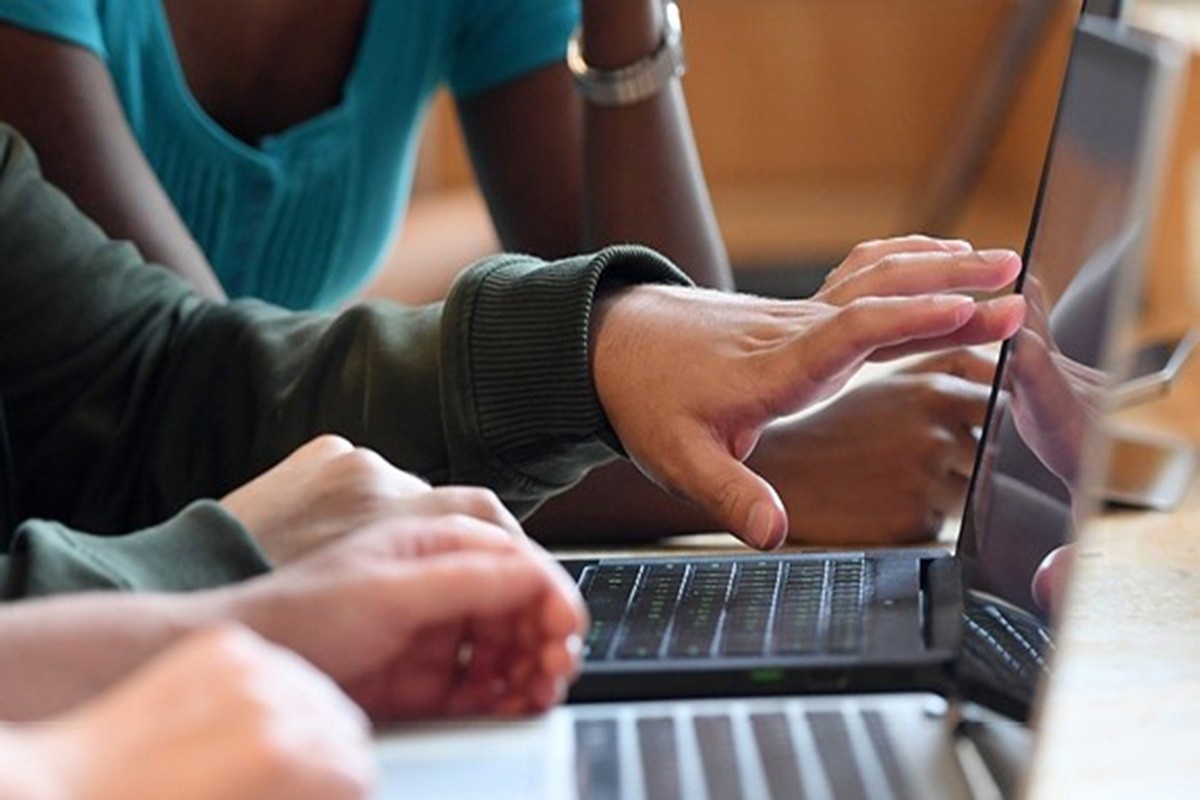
(942, 603)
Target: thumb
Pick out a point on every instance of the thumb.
(737, 498)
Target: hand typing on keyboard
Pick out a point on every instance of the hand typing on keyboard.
(690, 379)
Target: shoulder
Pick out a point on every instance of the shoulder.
(500, 40)
(77, 22)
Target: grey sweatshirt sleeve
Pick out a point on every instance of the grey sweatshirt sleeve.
(128, 397)
(201, 547)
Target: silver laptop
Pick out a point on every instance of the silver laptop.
(905, 744)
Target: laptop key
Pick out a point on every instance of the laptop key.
(777, 754)
(845, 607)
(750, 608)
(597, 760)
(607, 594)
(837, 754)
(798, 618)
(699, 613)
(714, 735)
(660, 758)
(881, 740)
(651, 612)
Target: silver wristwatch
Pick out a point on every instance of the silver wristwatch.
(640, 80)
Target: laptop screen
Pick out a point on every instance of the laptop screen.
(1081, 260)
(1103, 8)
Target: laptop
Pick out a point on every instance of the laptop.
(907, 744)
(1111, 9)
(846, 746)
(905, 619)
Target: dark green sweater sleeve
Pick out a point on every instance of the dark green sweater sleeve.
(201, 547)
(128, 397)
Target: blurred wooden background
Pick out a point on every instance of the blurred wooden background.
(825, 122)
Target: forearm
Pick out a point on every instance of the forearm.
(61, 652)
(642, 176)
(62, 98)
(142, 397)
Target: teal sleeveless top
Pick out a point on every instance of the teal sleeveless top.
(302, 218)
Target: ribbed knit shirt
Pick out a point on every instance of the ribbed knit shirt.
(302, 218)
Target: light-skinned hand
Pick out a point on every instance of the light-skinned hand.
(1055, 399)
(223, 715)
(425, 616)
(690, 379)
(329, 488)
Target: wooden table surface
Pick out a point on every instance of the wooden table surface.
(1122, 712)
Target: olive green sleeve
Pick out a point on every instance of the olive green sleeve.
(201, 547)
(129, 397)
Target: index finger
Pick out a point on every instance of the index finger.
(991, 321)
(868, 325)
(926, 273)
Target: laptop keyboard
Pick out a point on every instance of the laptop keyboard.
(725, 608)
(770, 751)
(1009, 650)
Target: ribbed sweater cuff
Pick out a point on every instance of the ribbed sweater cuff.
(516, 374)
(201, 547)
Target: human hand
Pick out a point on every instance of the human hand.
(1054, 399)
(691, 407)
(1050, 580)
(221, 716)
(329, 488)
(905, 441)
(426, 616)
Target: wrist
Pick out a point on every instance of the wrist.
(617, 33)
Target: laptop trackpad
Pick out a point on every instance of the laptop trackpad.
(517, 760)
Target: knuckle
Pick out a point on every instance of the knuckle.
(360, 463)
(457, 523)
(726, 497)
(332, 442)
(889, 264)
(482, 503)
(863, 249)
(324, 448)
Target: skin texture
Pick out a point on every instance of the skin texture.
(600, 160)
(329, 488)
(264, 725)
(775, 358)
(414, 617)
(822, 464)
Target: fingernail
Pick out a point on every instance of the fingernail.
(964, 305)
(995, 256)
(958, 245)
(761, 527)
(952, 299)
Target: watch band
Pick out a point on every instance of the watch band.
(640, 80)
